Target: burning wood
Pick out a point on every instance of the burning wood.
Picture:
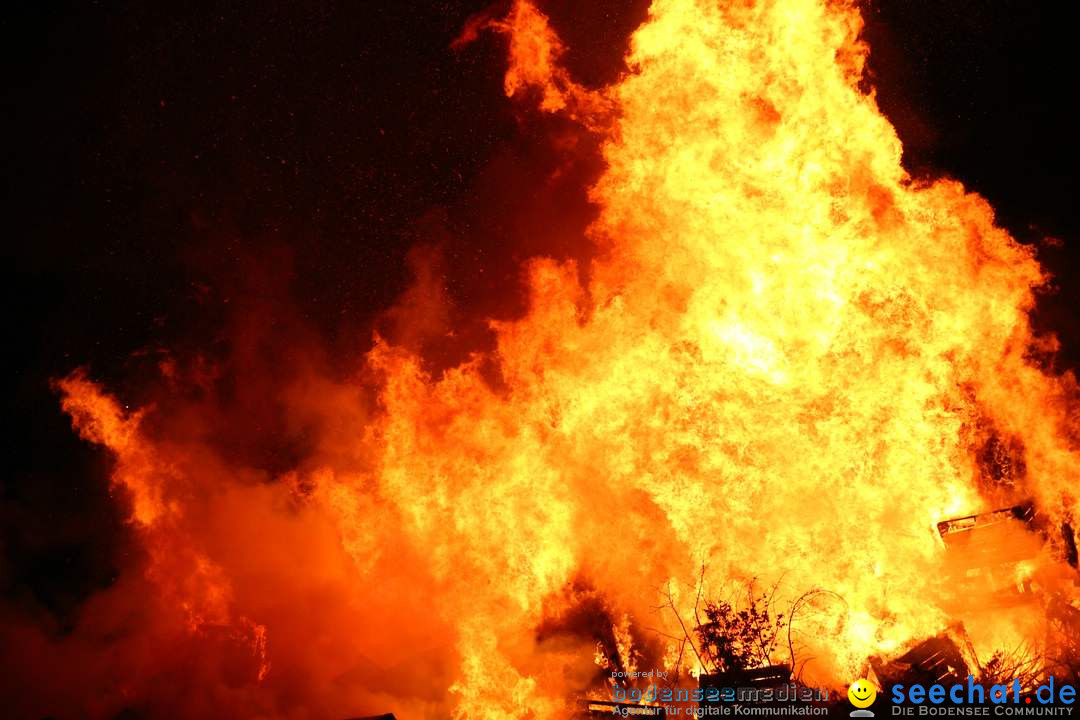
(604, 708)
(987, 550)
(749, 685)
(943, 659)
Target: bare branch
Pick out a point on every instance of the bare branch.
(671, 604)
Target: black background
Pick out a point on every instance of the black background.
(168, 163)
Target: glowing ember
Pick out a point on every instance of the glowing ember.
(786, 363)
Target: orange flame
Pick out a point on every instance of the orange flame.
(783, 365)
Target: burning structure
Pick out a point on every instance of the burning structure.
(785, 359)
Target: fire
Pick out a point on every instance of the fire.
(785, 363)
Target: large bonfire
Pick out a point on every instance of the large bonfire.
(784, 366)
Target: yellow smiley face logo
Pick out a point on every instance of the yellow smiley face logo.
(862, 694)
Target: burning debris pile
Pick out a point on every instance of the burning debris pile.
(786, 361)
(991, 561)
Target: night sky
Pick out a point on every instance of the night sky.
(167, 165)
